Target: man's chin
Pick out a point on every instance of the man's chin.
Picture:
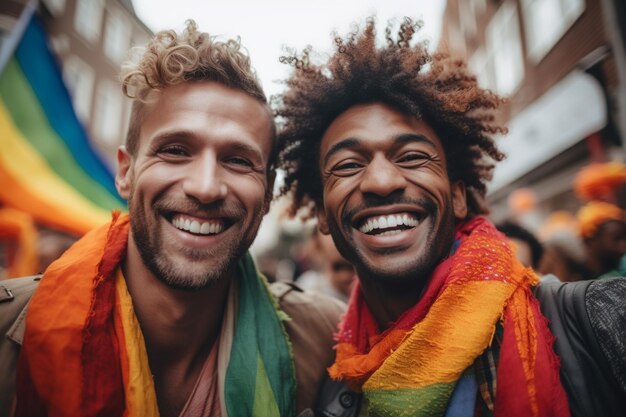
(190, 277)
(394, 273)
(190, 284)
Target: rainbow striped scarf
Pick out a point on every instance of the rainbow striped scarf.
(412, 368)
(84, 354)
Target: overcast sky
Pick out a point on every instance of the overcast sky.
(265, 26)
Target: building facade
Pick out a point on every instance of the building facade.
(92, 38)
(561, 65)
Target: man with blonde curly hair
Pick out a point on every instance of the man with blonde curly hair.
(162, 311)
(392, 148)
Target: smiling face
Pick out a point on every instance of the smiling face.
(388, 201)
(198, 185)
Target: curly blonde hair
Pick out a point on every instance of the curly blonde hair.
(170, 59)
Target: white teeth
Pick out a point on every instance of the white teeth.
(385, 222)
(194, 226)
(390, 232)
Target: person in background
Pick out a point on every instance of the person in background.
(334, 276)
(162, 311)
(443, 312)
(603, 230)
(528, 249)
(563, 257)
(51, 245)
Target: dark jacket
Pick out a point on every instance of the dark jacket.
(588, 320)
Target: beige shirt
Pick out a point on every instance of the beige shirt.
(204, 399)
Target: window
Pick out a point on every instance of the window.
(55, 6)
(504, 44)
(79, 77)
(88, 19)
(546, 21)
(107, 113)
(116, 37)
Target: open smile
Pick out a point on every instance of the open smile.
(199, 226)
(388, 221)
(389, 224)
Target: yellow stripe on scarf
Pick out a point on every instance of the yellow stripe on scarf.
(458, 328)
(139, 386)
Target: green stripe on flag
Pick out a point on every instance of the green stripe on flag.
(30, 119)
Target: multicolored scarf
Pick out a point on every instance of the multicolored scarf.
(412, 368)
(84, 354)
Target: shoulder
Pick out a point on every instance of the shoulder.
(588, 320)
(313, 320)
(551, 288)
(19, 287)
(306, 306)
(588, 299)
(14, 296)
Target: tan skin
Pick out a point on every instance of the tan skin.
(179, 334)
(378, 162)
(203, 150)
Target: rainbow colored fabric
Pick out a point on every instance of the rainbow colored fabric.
(84, 353)
(412, 368)
(48, 167)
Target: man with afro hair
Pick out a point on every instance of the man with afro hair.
(391, 149)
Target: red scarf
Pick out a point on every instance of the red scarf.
(80, 373)
(430, 346)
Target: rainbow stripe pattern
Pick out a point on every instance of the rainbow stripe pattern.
(81, 326)
(412, 368)
(48, 167)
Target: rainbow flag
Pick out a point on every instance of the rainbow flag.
(48, 167)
